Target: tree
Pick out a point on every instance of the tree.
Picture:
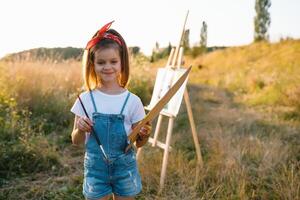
(185, 39)
(159, 53)
(156, 46)
(203, 36)
(169, 48)
(262, 20)
(134, 50)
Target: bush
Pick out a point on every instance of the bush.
(196, 51)
(20, 159)
(142, 88)
(160, 54)
(22, 150)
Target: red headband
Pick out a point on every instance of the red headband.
(101, 34)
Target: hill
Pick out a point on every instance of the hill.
(50, 54)
(53, 54)
(258, 74)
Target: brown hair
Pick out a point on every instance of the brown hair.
(89, 75)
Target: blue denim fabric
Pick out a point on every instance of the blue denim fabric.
(119, 174)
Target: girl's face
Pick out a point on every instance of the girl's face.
(107, 64)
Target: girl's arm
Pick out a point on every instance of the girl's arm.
(81, 125)
(143, 135)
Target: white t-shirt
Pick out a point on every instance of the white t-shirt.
(111, 104)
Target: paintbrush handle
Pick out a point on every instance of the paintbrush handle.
(93, 131)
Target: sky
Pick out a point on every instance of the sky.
(27, 24)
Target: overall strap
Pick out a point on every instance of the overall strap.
(93, 101)
(125, 103)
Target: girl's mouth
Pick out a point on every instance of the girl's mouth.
(107, 73)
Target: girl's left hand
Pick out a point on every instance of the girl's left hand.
(145, 131)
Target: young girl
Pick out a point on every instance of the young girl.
(114, 112)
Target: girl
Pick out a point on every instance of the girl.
(114, 112)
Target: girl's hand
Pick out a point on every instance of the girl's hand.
(84, 124)
(143, 135)
(145, 131)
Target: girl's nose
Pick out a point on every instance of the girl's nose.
(106, 66)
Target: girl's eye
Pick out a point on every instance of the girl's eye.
(114, 62)
(100, 63)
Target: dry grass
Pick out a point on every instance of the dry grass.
(259, 73)
(248, 152)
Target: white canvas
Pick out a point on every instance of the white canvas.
(162, 84)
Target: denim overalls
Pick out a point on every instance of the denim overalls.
(119, 174)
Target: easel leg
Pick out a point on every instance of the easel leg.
(170, 57)
(166, 154)
(138, 153)
(194, 133)
(157, 128)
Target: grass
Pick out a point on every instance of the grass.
(246, 112)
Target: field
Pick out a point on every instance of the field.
(246, 105)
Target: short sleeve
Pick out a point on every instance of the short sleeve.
(138, 112)
(77, 109)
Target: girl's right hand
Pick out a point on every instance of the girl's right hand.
(84, 124)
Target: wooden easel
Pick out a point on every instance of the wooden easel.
(175, 55)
